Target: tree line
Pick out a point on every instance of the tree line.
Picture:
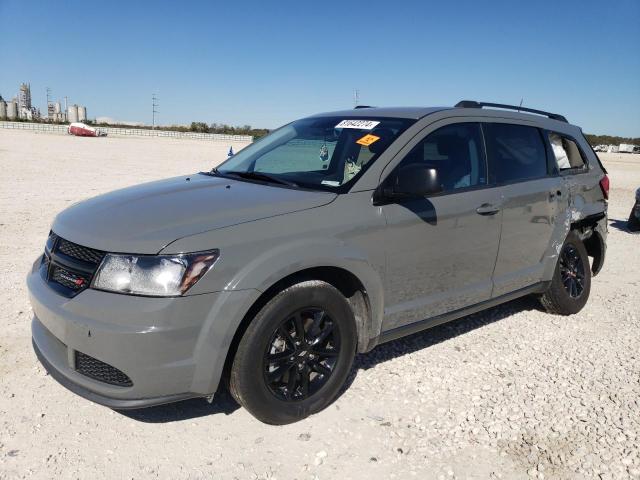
(223, 128)
(610, 140)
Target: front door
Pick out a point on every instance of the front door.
(441, 250)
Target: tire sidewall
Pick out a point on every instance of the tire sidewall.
(248, 366)
(570, 304)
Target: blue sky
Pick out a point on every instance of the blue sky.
(266, 63)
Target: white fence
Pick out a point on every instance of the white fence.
(128, 132)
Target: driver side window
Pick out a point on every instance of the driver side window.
(456, 152)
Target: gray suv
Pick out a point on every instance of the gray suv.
(331, 235)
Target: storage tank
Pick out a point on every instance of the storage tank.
(12, 110)
(82, 114)
(72, 114)
(3, 110)
(56, 108)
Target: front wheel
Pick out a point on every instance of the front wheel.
(569, 289)
(295, 355)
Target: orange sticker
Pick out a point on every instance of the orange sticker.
(367, 140)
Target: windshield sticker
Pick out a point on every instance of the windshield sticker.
(367, 140)
(360, 124)
(331, 183)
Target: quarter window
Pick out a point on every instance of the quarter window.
(516, 152)
(566, 152)
(455, 151)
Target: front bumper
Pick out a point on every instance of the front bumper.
(115, 403)
(170, 348)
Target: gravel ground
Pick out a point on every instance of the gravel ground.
(508, 393)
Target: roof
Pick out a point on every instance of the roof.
(464, 108)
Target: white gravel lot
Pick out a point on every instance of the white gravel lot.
(508, 393)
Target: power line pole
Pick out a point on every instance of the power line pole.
(49, 109)
(356, 97)
(154, 104)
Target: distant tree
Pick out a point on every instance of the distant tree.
(199, 127)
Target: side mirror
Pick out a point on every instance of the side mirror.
(413, 181)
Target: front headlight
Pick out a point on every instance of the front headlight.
(153, 275)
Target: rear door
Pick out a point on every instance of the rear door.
(530, 193)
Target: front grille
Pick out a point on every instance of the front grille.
(68, 267)
(68, 278)
(103, 372)
(85, 254)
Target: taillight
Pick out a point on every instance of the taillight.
(604, 186)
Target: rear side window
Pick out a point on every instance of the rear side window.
(566, 152)
(516, 152)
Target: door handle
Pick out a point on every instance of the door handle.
(487, 209)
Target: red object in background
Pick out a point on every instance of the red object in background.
(82, 130)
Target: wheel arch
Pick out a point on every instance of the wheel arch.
(589, 231)
(345, 281)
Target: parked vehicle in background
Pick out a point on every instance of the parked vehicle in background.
(627, 148)
(329, 236)
(633, 224)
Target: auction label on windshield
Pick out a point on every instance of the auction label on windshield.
(367, 140)
(360, 124)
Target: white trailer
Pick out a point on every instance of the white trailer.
(626, 148)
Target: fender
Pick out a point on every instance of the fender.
(275, 264)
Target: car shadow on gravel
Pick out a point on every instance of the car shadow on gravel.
(441, 333)
(622, 225)
(185, 410)
(224, 403)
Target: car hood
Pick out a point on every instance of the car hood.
(145, 218)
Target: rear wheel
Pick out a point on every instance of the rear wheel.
(569, 289)
(295, 355)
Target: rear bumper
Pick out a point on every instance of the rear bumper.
(170, 348)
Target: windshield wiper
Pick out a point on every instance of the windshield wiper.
(259, 176)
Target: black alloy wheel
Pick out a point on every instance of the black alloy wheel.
(569, 288)
(572, 271)
(296, 353)
(301, 354)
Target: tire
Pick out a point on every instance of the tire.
(280, 382)
(569, 289)
(633, 224)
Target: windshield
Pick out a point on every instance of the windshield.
(325, 153)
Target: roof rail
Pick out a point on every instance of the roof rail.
(362, 106)
(474, 104)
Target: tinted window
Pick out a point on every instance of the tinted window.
(516, 152)
(566, 152)
(456, 152)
